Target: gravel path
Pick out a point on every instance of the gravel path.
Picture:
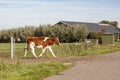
(102, 67)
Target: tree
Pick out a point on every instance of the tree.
(63, 32)
(94, 35)
(112, 23)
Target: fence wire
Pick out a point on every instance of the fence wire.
(5, 50)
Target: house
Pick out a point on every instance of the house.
(93, 27)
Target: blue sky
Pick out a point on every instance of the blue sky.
(17, 13)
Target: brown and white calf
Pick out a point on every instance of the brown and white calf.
(40, 42)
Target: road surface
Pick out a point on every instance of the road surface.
(102, 67)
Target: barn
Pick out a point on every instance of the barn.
(93, 27)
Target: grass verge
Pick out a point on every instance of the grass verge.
(30, 71)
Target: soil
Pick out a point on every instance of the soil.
(47, 59)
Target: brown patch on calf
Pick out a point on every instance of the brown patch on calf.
(36, 40)
(40, 41)
(52, 40)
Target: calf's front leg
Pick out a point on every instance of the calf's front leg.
(51, 51)
(43, 51)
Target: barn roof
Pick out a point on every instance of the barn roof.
(93, 27)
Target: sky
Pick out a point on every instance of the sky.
(20, 13)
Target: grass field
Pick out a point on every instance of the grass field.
(39, 70)
(65, 50)
(29, 71)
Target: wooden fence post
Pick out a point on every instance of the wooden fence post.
(12, 47)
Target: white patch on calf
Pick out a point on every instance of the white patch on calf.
(40, 46)
(46, 38)
(32, 44)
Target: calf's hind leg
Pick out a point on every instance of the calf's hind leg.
(26, 50)
(33, 50)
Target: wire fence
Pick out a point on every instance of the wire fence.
(11, 50)
(18, 53)
(74, 49)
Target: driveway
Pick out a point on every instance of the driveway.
(102, 67)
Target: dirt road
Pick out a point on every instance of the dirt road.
(104, 67)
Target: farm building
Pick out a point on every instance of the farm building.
(93, 27)
(108, 38)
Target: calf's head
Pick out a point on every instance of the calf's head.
(56, 41)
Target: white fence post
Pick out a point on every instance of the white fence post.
(12, 47)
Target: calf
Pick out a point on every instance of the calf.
(40, 42)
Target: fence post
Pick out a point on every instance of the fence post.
(12, 47)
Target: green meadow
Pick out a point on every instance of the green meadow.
(40, 70)
(64, 50)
